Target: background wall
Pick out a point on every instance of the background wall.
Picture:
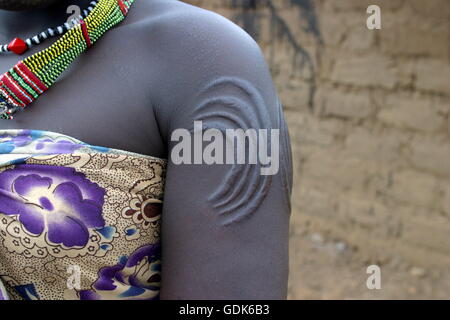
(368, 112)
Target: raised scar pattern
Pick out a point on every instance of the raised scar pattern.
(228, 103)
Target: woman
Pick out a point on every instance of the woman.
(88, 159)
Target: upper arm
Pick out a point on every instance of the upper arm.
(224, 226)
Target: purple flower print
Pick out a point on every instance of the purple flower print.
(49, 146)
(3, 292)
(135, 277)
(8, 143)
(58, 201)
(35, 140)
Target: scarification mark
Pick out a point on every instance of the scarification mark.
(232, 103)
(285, 157)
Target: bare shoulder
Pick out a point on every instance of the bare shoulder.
(196, 54)
(176, 27)
(210, 71)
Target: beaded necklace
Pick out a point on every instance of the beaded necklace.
(19, 46)
(31, 77)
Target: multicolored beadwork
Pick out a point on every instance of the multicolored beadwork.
(28, 79)
(19, 46)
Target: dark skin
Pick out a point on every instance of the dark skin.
(140, 82)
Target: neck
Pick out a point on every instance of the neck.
(24, 24)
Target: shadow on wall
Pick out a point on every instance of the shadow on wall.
(249, 18)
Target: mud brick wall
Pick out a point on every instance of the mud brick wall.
(368, 112)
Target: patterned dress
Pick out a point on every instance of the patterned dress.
(77, 221)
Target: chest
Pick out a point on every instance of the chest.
(98, 100)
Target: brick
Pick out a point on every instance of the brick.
(358, 39)
(368, 70)
(333, 168)
(414, 188)
(436, 10)
(433, 75)
(315, 202)
(367, 214)
(412, 113)
(402, 35)
(428, 234)
(341, 104)
(308, 129)
(333, 28)
(380, 146)
(344, 30)
(295, 94)
(432, 155)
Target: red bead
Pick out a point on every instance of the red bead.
(123, 7)
(84, 30)
(18, 46)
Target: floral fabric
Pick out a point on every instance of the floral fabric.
(77, 221)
